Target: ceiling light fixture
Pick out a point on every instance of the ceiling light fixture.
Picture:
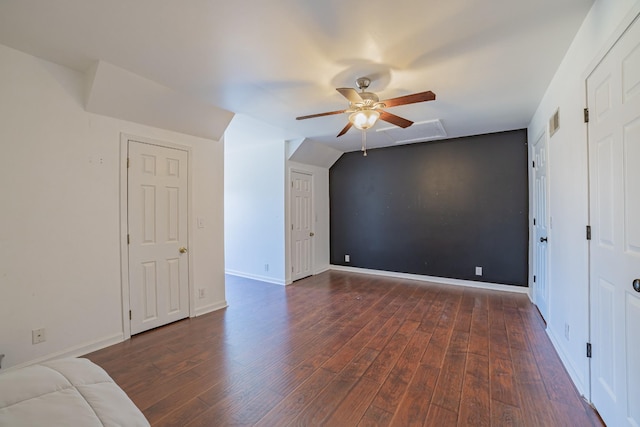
(364, 119)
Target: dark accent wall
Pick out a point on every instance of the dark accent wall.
(436, 208)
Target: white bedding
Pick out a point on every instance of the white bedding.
(66, 392)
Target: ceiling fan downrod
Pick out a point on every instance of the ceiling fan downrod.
(363, 83)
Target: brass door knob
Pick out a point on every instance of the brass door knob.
(312, 234)
(182, 250)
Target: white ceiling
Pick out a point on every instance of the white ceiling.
(488, 61)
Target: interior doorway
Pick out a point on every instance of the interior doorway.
(301, 205)
(613, 97)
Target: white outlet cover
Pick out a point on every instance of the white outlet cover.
(347, 258)
(478, 271)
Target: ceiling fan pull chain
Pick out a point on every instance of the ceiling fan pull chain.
(364, 143)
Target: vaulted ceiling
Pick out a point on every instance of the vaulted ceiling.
(489, 62)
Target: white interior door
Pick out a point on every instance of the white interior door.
(613, 92)
(540, 227)
(301, 225)
(157, 220)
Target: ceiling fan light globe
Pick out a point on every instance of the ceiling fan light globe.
(364, 119)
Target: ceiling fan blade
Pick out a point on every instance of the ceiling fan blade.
(343, 131)
(396, 120)
(351, 94)
(410, 99)
(311, 116)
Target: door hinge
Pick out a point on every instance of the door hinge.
(128, 240)
(534, 221)
(129, 314)
(588, 232)
(534, 278)
(533, 164)
(586, 115)
(589, 350)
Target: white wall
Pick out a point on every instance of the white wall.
(257, 203)
(568, 173)
(60, 213)
(254, 199)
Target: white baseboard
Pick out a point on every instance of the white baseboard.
(322, 269)
(434, 279)
(569, 366)
(76, 351)
(210, 308)
(256, 277)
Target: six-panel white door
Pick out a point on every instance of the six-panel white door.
(540, 228)
(301, 225)
(613, 91)
(157, 219)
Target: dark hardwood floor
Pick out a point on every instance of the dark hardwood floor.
(345, 349)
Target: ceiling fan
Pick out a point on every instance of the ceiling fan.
(365, 108)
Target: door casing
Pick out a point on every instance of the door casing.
(289, 234)
(124, 226)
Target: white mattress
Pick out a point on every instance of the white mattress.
(66, 392)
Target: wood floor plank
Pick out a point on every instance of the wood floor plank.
(439, 417)
(503, 385)
(348, 349)
(448, 389)
(503, 415)
(414, 406)
(395, 386)
(351, 410)
(389, 355)
(375, 417)
(475, 403)
(182, 415)
(295, 402)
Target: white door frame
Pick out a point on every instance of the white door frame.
(288, 234)
(124, 225)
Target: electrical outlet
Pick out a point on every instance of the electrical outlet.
(201, 293)
(478, 271)
(567, 335)
(347, 258)
(38, 336)
(266, 267)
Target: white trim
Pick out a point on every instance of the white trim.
(124, 247)
(257, 277)
(322, 270)
(434, 279)
(568, 365)
(210, 308)
(77, 351)
(630, 17)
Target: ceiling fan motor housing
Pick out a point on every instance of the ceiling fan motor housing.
(363, 83)
(369, 98)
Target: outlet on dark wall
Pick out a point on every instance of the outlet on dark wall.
(438, 208)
